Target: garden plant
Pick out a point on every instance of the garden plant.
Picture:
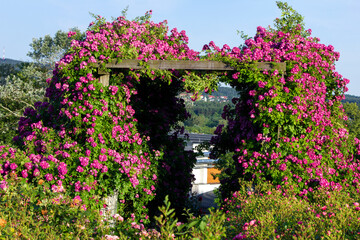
(289, 167)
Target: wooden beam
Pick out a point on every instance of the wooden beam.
(188, 65)
(181, 65)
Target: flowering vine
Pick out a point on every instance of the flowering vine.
(286, 126)
(91, 140)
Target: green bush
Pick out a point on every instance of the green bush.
(29, 212)
(265, 212)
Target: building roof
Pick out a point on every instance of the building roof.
(197, 137)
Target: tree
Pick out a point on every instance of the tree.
(19, 92)
(24, 84)
(6, 70)
(47, 50)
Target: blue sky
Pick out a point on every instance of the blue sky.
(335, 22)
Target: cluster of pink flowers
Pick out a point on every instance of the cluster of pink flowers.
(247, 225)
(295, 115)
(86, 135)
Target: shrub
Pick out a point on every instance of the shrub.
(29, 212)
(267, 213)
(168, 227)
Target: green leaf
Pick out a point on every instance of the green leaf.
(192, 224)
(202, 225)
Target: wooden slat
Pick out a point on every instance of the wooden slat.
(188, 65)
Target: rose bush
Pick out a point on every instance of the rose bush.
(89, 140)
(286, 126)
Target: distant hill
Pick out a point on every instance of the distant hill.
(10, 61)
(8, 67)
(231, 92)
(351, 99)
(225, 91)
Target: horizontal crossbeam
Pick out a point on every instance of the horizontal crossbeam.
(188, 65)
(181, 65)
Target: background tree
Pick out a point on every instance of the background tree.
(18, 92)
(6, 70)
(23, 84)
(47, 50)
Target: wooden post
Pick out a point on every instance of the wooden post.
(104, 79)
(111, 202)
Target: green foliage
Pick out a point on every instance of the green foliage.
(352, 111)
(289, 20)
(243, 36)
(264, 212)
(17, 93)
(229, 177)
(140, 19)
(229, 92)
(47, 50)
(260, 212)
(205, 116)
(197, 82)
(205, 227)
(6, 70)
(351, 99)
(29, 212)
(124, 11)
(22, 85)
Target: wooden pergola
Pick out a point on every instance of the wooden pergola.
(168, 65)
(181, 65)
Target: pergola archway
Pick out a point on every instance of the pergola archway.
(200, 66)
(88, 134)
